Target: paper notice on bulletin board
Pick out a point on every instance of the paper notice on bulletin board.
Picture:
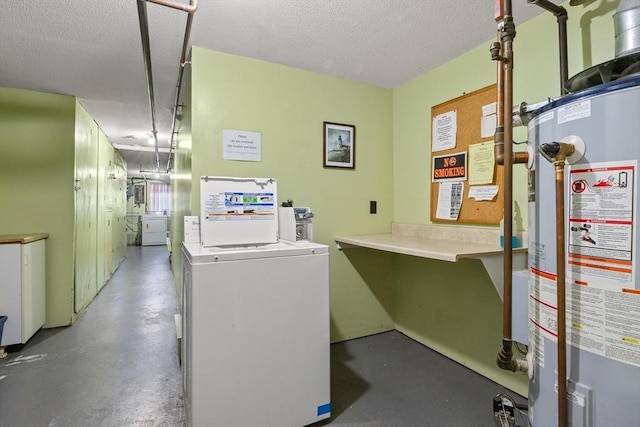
(481, 163)
(449, 200)
(445, 129)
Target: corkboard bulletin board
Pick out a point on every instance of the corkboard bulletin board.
(469, 114)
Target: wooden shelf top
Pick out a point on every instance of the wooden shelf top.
(22, 238)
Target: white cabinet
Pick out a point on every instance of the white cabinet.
(22, 286)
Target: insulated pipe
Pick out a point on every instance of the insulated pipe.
(561, 17)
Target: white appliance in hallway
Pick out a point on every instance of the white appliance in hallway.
(154, 230)
(255, 314)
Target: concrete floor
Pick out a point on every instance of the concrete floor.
(118, 366)
(389, 380)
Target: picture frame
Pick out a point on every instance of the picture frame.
(339, 146)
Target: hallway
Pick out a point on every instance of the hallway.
(117, 366)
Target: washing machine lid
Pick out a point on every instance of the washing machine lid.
(199, 254)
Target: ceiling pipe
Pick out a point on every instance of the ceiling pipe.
(561, 18)
(146, 49)
(183, 64)
(189, 8)
(146, 52)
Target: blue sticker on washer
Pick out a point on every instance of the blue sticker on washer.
(324, 409)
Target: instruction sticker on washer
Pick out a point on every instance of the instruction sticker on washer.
(602, 211)
(234, 206)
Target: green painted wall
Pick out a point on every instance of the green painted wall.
(38, 134)
(181, 184)
(454, 308)
(288, 106)
(36, 184)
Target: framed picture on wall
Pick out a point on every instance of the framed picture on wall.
(339, 145)
(139, 194)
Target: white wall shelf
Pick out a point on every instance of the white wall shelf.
(444, 243)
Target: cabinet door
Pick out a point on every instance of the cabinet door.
(86, 156)
(33, 288)
(11, 293)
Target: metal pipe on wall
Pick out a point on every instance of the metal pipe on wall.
(502, 52)
(561, 17)
(558, 153)
(496, 50)
(507, 44)
(561, 296)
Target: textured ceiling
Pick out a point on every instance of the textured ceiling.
(91, 49)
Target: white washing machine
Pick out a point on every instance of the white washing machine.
(154, 230)
(255, 327)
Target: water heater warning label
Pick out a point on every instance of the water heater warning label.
(599, 320)
(600, 232)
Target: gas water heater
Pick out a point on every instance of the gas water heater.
(583, 298)
(601, 251)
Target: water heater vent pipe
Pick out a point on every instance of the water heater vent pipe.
(626, 23)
